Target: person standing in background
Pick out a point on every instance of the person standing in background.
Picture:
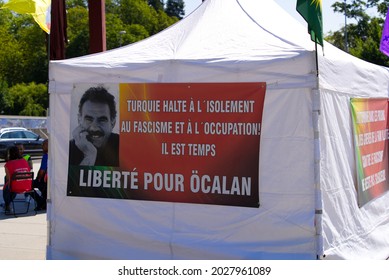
(40, 181)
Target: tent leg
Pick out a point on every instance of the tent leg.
(318, 197)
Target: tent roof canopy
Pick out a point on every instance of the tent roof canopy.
(220, 37)
(218, 30)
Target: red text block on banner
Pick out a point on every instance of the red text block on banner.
(194, 143)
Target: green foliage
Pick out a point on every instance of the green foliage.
(26, 100)
(24, 46)
(175, 8)
(10, 57)
(156, 4)
(164, 21)
(382, 7)
(363, 38)
(77, 31)
(120, 34)
(139, 12)
(76, 3)
(3, 92)
(33, 46)
(23, 55)
(127, 21)
(367, 47)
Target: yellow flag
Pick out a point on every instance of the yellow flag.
(39, 9)
(20, 6)
(42, 14)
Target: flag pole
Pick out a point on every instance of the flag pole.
(317, 60)
(311, 12)
(316, 132)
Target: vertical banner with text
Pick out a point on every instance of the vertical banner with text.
(192, 143)
(370, 121)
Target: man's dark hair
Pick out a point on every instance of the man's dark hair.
(99, 95)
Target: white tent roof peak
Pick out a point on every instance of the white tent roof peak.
(219, 30)
(241, 29)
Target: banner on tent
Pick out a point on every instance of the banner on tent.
(175, 142)
(371, 130)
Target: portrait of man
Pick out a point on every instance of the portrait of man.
(94, 143)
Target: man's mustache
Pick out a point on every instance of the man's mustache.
(95, 133)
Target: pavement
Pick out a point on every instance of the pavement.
(23, 237)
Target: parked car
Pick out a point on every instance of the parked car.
(15, 135)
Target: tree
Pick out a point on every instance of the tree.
(367, 47)
(164, 21)
(3, 93)
(10, 55)
(23, 52)
(139, 12)
(175, 8)
(77, 31)
(24, 49)
(76, 3)
(363, 38)
(33, 44)
(156, 4)
(26, 99)
(115, 35)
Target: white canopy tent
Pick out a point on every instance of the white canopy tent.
(307, 187)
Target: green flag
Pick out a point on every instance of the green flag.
(311, 11)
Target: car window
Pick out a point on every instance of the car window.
(5, 135)
(29, 134)
(16, 134)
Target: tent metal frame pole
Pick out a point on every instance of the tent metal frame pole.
(316, 133)
(318, 196)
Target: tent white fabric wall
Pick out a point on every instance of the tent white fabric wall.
(231, 41)
(349, 232)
